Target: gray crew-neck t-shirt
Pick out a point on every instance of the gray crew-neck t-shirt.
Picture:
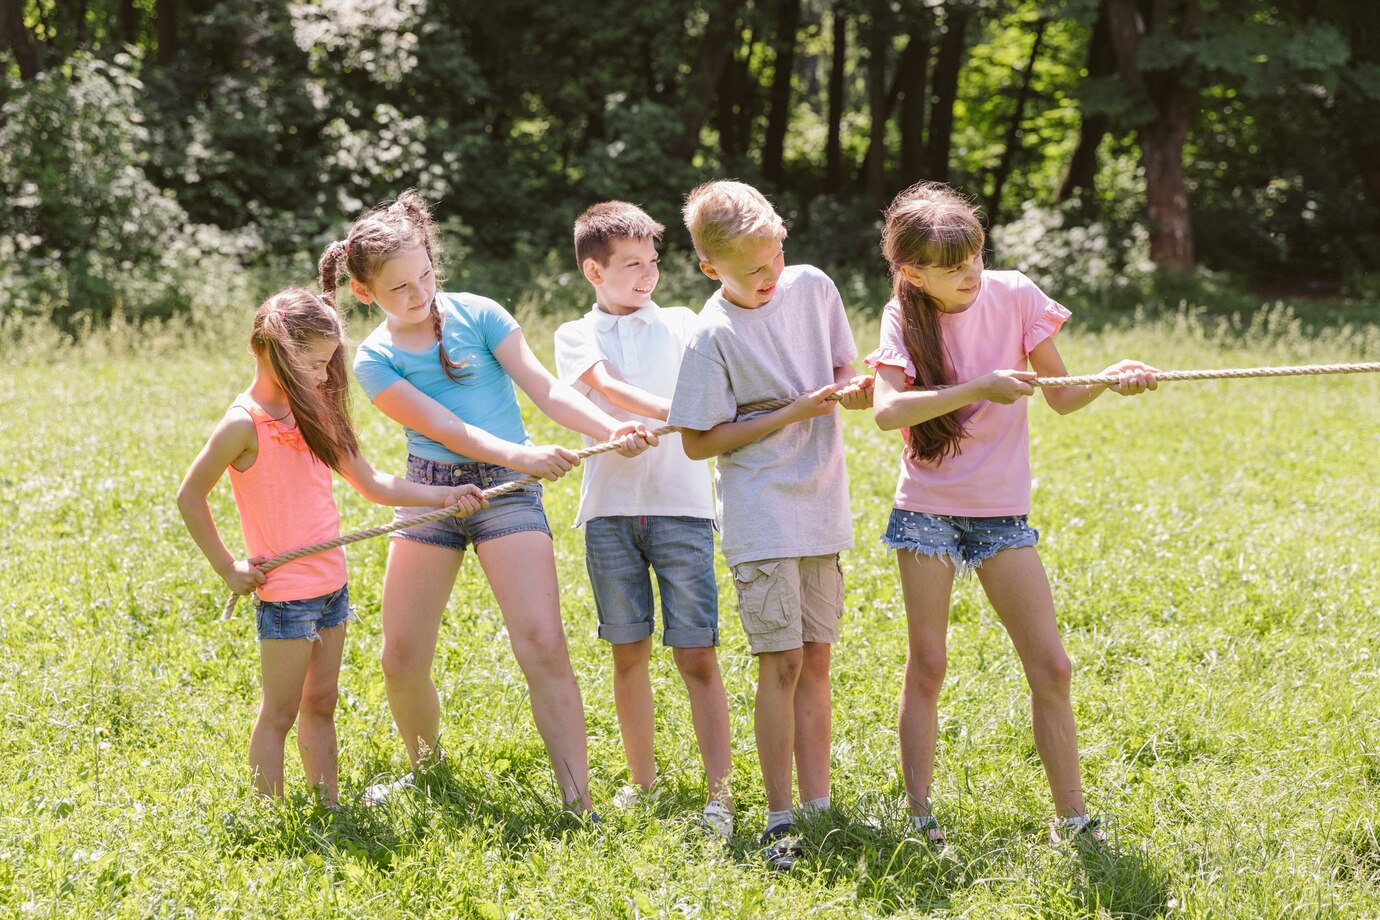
(786, 494)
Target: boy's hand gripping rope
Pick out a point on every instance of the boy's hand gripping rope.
(766, 405)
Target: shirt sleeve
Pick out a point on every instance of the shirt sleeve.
(576, 352)
(1043, 316)
(374, 370)
(703, 396)
(891, 351)
(495, 323)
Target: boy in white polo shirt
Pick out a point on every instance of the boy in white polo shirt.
(653, 512)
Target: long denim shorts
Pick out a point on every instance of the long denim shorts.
(513, 512)
(965, 542)
(620, 551)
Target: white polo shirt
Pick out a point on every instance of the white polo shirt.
(645, 347)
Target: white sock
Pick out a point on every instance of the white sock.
(812, 807)
(778, 818)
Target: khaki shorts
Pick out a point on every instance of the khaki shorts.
(785, 603)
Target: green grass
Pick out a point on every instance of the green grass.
(1213, 550)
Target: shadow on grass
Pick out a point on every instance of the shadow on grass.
(894, 871)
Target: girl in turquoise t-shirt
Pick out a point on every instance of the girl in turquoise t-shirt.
(444, 365)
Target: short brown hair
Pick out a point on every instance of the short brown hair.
(723, 213)
(604, 224)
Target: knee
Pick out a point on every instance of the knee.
(1051, 675)
(925, 672)
(781, 669)
(278, 716)
(401, 662)
(698, 666)
(540, 651)
(319, 703)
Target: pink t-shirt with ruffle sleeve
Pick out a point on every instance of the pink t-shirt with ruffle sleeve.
(285, 503)
(990, 477)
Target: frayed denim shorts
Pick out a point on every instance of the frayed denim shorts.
(513, 512)
(964, 542)
(302, 619)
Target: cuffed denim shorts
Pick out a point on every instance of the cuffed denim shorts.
(302, 619)
(965, 542)
(512, 512)
(619, 551)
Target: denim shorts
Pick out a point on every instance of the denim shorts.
(513, 512)
(966, 542)
(680, 550)
(301, 619)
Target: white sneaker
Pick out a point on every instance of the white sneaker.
(379, 793)
(627, 797)
(719, 819)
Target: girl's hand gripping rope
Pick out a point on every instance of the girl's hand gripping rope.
(1006, 386)
(243, 575)
(1134, 377)
(546, 462)
(465, 500)
(633, 439)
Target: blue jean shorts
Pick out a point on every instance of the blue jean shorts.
(619, 551)
(302, 619)
(965, 542)
(513, 512)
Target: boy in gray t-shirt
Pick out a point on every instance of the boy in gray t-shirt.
(771, 332)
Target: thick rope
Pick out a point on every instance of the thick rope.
(770, 404)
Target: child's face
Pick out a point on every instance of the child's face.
(748, 271)
(627, 282)
(953, 288)
(316, 359)
(403, 287)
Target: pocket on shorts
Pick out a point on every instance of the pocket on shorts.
(758, 605)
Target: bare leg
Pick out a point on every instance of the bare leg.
(1015, 582)
(699, 668)
(283, 664)
(316, 740)
(521, 569)
(416, 588)
(813, 722)
(632, 697)
(774, 722)
(926, 584)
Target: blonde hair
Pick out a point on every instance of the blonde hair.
(285, 326)
(604, 224)
(928, 225)
(724, 213)
(389, 229)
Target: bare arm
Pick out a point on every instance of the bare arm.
(900, 407)
(605, 380)
(384, 489)
(232, 439)
(1045, 358)
(561, 403)
(727, 436)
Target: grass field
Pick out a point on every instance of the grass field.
(1213, 549)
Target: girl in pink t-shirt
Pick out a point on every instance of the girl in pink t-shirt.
(279, 440)
(966, 335)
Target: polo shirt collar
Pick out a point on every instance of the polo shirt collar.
(644, 316)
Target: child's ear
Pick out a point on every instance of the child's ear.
(912, 274)
(593, 271)
(709, 270)
(361, 292)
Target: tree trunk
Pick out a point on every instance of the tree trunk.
(1013, 131)
(165, 29)
(946, 68)
(833, 145)
(714, 53)
(18, 39)
(129, 22)
(779, 117)
(878, 40)
(912, 75)
(1081, 173)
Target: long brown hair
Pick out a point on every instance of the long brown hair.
(928, 225)
(387, 230)
(285, 326)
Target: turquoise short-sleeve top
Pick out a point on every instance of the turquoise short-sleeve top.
(472, 327)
